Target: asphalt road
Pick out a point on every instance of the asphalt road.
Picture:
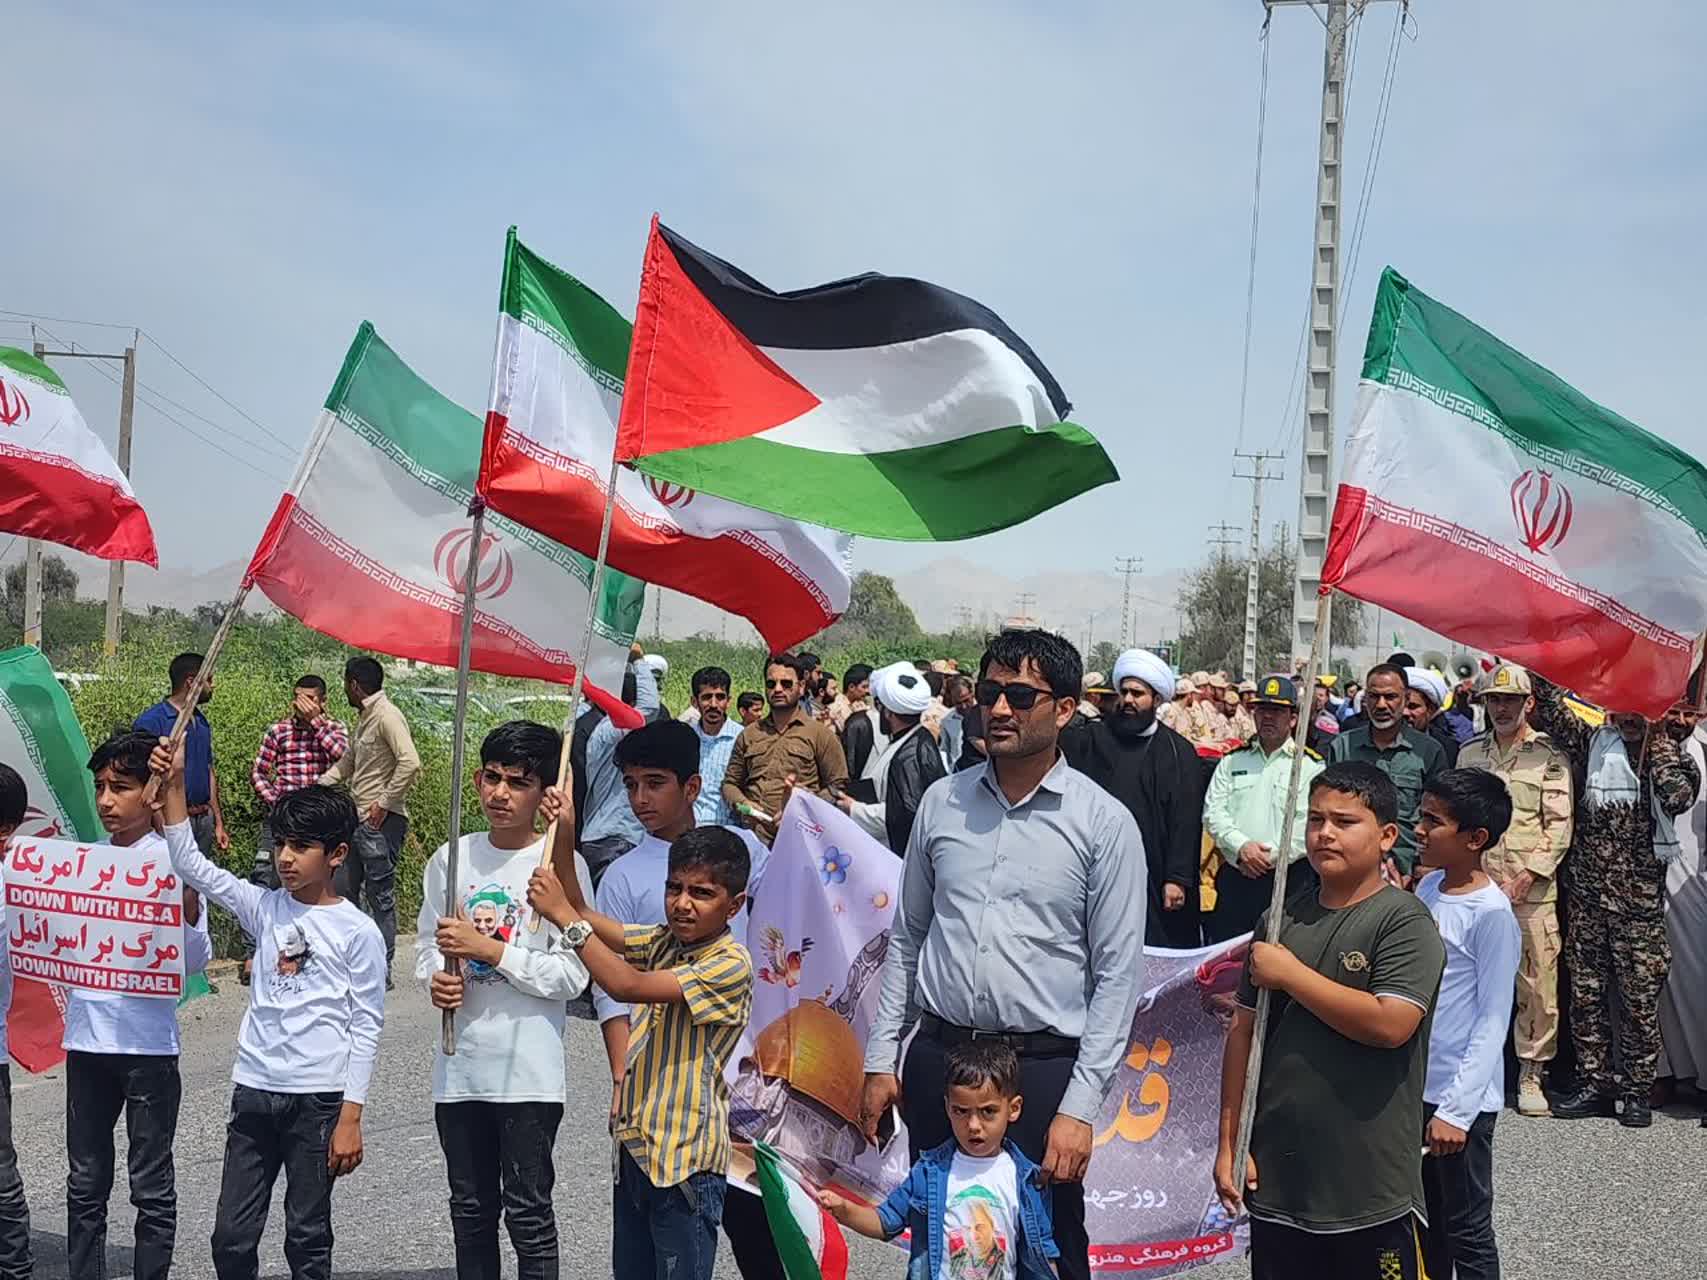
(1585, 1199)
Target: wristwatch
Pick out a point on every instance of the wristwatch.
(576, 935)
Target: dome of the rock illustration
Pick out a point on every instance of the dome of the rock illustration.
(815, 1051)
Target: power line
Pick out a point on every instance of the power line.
(93, 324)
(1256, 219)
(220, 396)
(1377, 139)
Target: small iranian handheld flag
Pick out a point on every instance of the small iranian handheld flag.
(372, 544)
(1489, 501)
(57, 480)
(808, 1240)
(879, 404)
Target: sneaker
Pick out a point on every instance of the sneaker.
(1531, 1098)
(1585, 1103)
(1637, 1114)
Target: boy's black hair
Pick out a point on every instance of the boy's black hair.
(934, 681)
(527, 745)
(126, 754)
(859, 672)
(1473, 798)
(808, 660)
(1387, 669)
(366, 672)
(976, 1063)
(717, 849)
(711, 678)
(792, 661)
(1400, 659)
(183, 668)
(663, 744)
(1365, 781)
(749, 699)
(313, 682)
(314, 815)
(1055, 659)
(14, 797)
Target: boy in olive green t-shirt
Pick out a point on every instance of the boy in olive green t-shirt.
(1334, 1181)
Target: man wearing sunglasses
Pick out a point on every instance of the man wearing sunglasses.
(784, 750)
(1021, 918)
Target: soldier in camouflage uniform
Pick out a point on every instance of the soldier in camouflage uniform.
(1617, 946)
(1176, 713)
(1525, 862)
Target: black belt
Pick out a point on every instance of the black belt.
(1027, 1044)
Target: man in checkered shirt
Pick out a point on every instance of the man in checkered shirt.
(294, 753)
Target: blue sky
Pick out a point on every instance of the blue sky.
(249, 185)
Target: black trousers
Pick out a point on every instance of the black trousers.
(498, 1156)
(268, 1132)
(1042, 1082)
(16, 1260)
(750, 1239)
(1391, 1251)
(146, 1089)
(1460, 1194)
(368, 875)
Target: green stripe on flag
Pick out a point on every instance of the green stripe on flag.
(577, 319)
(978, 484)
(1421, 346)
(26, 364)
(48, 727)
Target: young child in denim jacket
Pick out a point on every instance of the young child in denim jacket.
(974, 1205)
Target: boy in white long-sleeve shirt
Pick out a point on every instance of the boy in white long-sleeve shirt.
(306, 1049)
(121, 1056)
(499, 1099)
(1464, 813)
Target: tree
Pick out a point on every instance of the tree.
(1102, 657)
(1213, 602)
(209, 615)
(876, 615)
(58, 586)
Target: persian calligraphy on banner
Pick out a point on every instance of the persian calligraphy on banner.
(95, 916)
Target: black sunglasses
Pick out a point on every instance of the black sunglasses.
(1021, 697)
(779, 684)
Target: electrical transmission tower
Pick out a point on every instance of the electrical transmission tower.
(1256, 475)
(1126, 566)
(1023, 602)
(1221, 537)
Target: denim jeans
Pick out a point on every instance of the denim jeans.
(664, 1233)
(368, 875)
(16, 1261)
(498, 1155)
(146, 1088)
(1459, 1192)
(269, 1131)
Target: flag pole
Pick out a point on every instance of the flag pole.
(459, 721)
(1277, 899)
(563, 776)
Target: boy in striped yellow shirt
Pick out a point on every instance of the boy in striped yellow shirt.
(691, 985)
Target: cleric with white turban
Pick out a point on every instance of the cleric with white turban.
(1428, 683)
(901, 688)
(1141, 664)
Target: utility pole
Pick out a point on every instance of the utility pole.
(1221, 537)
(1126, 566)
(1022, 604)
(32, 574)
(963, 617)
(1256, 475)
(658, 615)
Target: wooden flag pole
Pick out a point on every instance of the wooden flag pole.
(1277, 899)
(459, 721)
(563, 776)
(193, 698)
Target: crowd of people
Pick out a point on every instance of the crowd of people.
(1460, 858)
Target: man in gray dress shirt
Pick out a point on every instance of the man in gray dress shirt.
(1021, 916)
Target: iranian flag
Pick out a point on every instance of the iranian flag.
(808, 1240)
(878, 404)
(556, 390)
(1486, 499)
(57, 480)
(372, 544)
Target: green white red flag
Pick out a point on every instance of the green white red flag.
(880, 405)
(372, 544)
(808, 1240)
(1486, 499)
(57, 480)
(550, 433)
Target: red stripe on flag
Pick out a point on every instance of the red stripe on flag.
(35, 1025)
(833, 1265)
(693, 377)
(739, 575)
(73, 508)
(1403, 561)
(311, 582)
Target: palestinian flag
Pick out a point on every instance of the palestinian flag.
(372, 543)
(878, 404)
(550, 434)
(41, 738)
(57, 480)
(1486, 499)
(808, 1240)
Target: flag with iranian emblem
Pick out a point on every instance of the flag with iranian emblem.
(372, 542)
(1486, 499)
(550, 434)
(57, 480)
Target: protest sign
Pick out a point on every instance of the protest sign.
(100, 917)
